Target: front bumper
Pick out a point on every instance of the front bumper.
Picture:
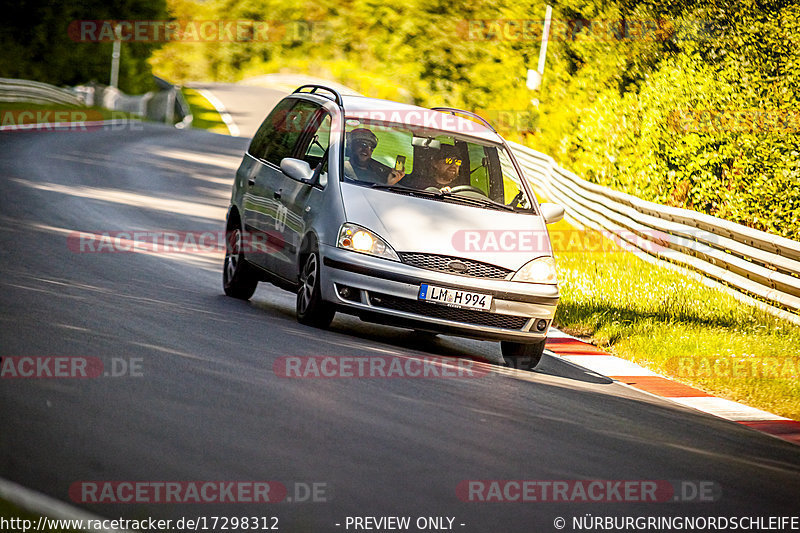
(387, 291)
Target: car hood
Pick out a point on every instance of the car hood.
(421, 225)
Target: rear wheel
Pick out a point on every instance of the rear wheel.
(238, 279)
(312, 310)
(522, 356)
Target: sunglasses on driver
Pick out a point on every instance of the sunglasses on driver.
(358, 145)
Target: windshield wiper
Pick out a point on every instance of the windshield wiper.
(441, 195)
(409, 191)
(471, 200)
(364, 183)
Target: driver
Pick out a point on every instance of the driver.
(446, 166)
(360, 166)
(438, 168)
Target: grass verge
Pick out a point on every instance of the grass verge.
(204, 115)
(678, 327)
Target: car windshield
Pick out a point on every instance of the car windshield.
(432, 164)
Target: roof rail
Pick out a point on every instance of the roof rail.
(453, 111)
(337, 98)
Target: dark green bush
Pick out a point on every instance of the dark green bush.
(707, 118)
(37, 43)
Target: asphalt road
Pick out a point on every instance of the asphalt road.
(206, 405)
(246, 104)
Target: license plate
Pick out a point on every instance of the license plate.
(455, 297)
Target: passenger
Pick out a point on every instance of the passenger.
(360, 166)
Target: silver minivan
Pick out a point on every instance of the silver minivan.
(411, 217)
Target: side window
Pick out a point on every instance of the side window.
(277, 136)
(512, 188)
(317, 141)
(315, 148)
(288, 131)
(479, 166)
(267, 128)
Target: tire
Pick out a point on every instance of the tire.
(238, 279)
(312, 310)
(522, 356)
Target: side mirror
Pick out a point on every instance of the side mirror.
(551, 212)
(297, 169)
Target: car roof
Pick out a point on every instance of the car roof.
(389, 111)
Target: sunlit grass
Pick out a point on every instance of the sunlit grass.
(676, 326)
(204, 115)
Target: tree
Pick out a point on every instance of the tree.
(37, 43)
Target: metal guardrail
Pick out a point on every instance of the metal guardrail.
(166, 105)
(12, 90)
(752, 262)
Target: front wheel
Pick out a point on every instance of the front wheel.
(238, 280)
(522, 356)
(312, 310)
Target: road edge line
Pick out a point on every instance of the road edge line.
(233, 129)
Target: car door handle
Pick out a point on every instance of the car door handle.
(251, 181)
(277, 194)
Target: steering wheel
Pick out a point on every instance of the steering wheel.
(468, 188)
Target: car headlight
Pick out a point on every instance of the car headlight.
(541, 270)
(358, 239)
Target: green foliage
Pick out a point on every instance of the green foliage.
(706, 118)
(37, 44)
(690, 103)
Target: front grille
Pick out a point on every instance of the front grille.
(475, 269)
(468, 316)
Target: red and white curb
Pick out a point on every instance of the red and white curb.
(588, 356)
